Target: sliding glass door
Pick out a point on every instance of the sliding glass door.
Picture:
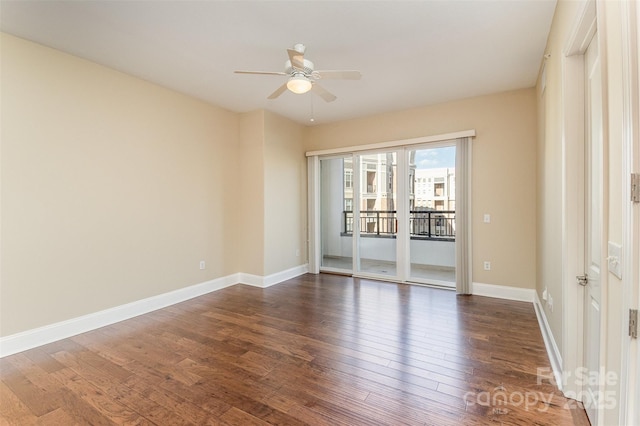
(336, 214)
(390, 214)
(377, 219)
(432, 215)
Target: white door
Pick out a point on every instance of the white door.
(593, 231)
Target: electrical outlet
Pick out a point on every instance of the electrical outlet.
(545, 294)
(487, 218)
(297, 252)
(202, 264)
(487, 265)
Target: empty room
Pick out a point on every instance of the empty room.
(319, 212)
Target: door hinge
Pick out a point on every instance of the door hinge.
(633, 323)
(582, 280)
(635, 187)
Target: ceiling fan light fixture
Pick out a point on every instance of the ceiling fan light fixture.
(301, 76)
(299, 84)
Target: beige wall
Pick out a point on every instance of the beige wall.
(503, 171)
(113, 189)
(285, 180)
(272, 196)
(250, 209)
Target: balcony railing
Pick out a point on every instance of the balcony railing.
(423, 225)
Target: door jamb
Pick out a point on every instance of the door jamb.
(573, 194)
(629, 397)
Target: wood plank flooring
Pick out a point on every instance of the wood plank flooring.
(318, 350)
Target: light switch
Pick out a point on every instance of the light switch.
(615, 258)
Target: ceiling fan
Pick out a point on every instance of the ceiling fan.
(303, 77)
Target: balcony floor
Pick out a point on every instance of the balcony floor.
(418, 271)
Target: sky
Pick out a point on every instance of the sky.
(436, 158)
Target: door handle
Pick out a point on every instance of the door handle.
(583, 280)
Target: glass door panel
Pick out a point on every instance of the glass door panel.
(377, 214)
(336, 214)
(432, 215)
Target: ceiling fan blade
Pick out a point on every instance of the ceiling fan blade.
(322, 92)
(297, 59)
(338, 74)
(261, 72)
(279, 91)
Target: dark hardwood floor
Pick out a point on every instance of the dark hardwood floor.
(318, 349)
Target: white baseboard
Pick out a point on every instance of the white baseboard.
(29, 339)
(269, 280)
(503, 292)
(249, 279)
(549, 342)
(281, 276)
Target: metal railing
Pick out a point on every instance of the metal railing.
(426, 225)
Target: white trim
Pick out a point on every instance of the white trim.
(250, 279)
(355, 246)
(503, 292)
(463, 214)
(313, 215)
(629, 363)
(29, 339)
(61, 330)
(573, 189)
(395, 144)
(446, 285)
(281, 276)
(607, 311)
(573, 213)
(555, 357)
(269, 280)
(403, 237)
(584, 27)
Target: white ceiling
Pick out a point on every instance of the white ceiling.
(411, 53)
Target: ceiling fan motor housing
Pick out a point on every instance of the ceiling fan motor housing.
(307, 68)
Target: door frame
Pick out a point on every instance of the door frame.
(629, 401)
(586, 19)
(407, 249)
(586, 22)
(573, 195)
(403, 237)
(400, 253)
(589, 18)
(595, 207)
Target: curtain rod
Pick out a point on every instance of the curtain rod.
(392, 144)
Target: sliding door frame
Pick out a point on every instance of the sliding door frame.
(407, 149)
(400, 187)
(401, 147)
